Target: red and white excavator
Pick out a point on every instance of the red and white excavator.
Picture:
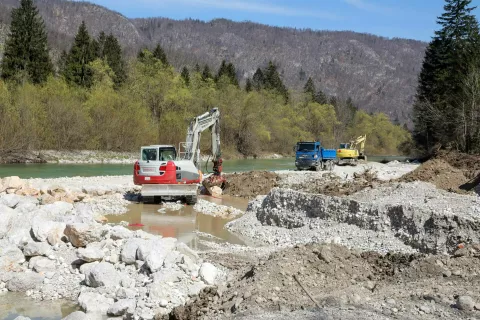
(165, 173)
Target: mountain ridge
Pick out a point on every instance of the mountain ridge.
(378, 73)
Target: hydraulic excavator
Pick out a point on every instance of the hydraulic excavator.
(165, 173)
(350, 153)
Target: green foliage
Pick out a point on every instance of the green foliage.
(82, 53)
(159, 54)
(185, 76)
(248, 85)
(309, 89)
(441, 115)
(111, 51)
(26, 54)
(206, 74)
(227, 70)
(258, 80)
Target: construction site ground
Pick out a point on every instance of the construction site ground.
(361, 242)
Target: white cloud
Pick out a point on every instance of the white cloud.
(367, 6)
(250, 6)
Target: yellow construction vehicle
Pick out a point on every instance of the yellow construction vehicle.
(350, 153)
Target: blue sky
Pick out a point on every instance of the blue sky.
(413, 19)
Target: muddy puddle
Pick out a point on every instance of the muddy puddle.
(185, 224)
(12, 305)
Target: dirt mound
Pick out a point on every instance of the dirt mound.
(250, 184)
(463, 161)
(332, 277)
(439, 172)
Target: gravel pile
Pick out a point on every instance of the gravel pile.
(216, 210)
(58, 251)
(397, 217)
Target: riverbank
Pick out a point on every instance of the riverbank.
(358, 240)
(96, 157)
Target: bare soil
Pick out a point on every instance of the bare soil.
(250, 184)
(448, 170)
(330, 276)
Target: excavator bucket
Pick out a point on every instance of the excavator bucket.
(214, 181)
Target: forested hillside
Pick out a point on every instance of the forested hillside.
(378, 74)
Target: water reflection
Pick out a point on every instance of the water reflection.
(14, 304)
(183, 223)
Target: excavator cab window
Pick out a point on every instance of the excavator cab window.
(149, 154)
(167, 154)
(344, 145)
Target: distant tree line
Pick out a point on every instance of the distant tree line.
(94, 99)
(447, 106)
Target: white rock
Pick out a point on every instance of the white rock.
(10, 200)
(164, 245)
(155, 260)
(163, 303)
(119, 232)
(465, 303)
(85, 268)
(42, 228)
(121, 307)
(22, 282)
(129, 250)
(6, 216)
(81, 234)
(22, 318)
(208, 272)
(102, 275)
(33, 249)
(126, 293)
(77, 315)
(10, 256)
(13, 182)
(42, 264)
(95, 303)
(90, 254)
(185, 250)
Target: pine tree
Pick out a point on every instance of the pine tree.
(186, 76)
(77, 68)
(258, 80)
(449, 56)
(221, 71)
(321, 97)
(159, 53)
(206, 74)
(196, 68)
(112, 53)
(273, 80)
(248, 85)
(309, 89)
(99, 45)
(26, 48)
(232, 74)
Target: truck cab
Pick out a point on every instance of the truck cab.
(312, 155)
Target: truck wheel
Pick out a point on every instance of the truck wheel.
(148, 200)
(191, 200)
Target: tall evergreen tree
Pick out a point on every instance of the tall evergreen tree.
(99, 45)
(185, 75)
(77, 68)
(206, 74)
(112, 53)
(449, 56)
(196, 68)
(273, 80)
(258, 80)
(227, 70)
(309, 89)
(248, 85)
(26, 48)
(159, 53)
(321, 97)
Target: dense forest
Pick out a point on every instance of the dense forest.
(379, 74)
(94, 99)
(447, 107)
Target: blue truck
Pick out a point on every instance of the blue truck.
(312, 156)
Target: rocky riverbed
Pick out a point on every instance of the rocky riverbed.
(348, 244)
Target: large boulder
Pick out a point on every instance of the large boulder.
(42, 265)
(81, 234)
(129, 250)
(77, 315)
(6, 216)
(10, 256)
(94, 303)
(185, 250)
(208, 272)
(10, 200)
(122, 307)
(43, 229)
(58, 208)
(33, 249)
(162, 245)
(90, 254)
(102, 275)
(119, 232)
(86, 267)
(21, 282)
(13, 182)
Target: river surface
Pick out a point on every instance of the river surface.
(88, 170)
